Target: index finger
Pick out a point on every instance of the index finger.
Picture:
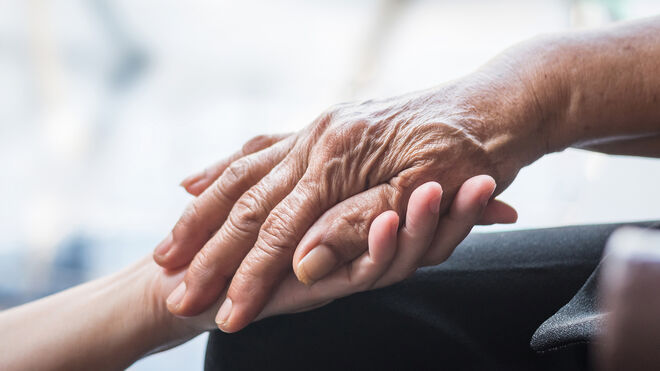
(208, 212)
(196, 184)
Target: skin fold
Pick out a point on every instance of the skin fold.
(304, 202)
(109, 323)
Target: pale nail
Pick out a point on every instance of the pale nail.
(434, 205)
(197, 187)
(177, 295)
(223, 313)
(316, 264)
(164, 246)
(486, 197)
(192, 179)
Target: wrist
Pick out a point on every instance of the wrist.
(511, 109)
(143, 325)
(166, 330)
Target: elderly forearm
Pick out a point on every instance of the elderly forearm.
(600, 86)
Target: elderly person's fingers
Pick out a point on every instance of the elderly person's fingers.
(196, 183)
(208, 212)
(391, 255)
(268, 262)
(215, 264)
(466, 211)
(292, 296)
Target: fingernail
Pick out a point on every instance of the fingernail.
(486, 197)
(223, 313)
(176, 296)
(394, 230)
(164, 246)
(434, 205)
(316, 264)
(193, 178)
(197, 187)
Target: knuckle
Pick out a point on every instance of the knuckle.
(202, 271)
(278, 223)
(247, 215)
(350, 233)
(244, 283)
(234, 175)
(246, 212)
(189, 218)
(275, 235)
(251, 208)
(242, 225)
(237, 170)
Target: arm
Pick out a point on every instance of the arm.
(308, 199)
(111, 322)
(98, 325)
(599, 89)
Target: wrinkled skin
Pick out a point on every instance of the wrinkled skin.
(354, 162)
(392, 255)
(308, 199)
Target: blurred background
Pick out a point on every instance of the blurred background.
(106, 105)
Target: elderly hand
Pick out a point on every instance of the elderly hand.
(392, 255)
(353, 163)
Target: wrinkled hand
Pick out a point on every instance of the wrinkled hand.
(353, 163)
(393, 254)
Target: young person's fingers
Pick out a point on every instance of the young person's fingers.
(416, 235)
(197, 183)
(465, 211)
(498, 212)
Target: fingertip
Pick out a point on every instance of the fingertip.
(161, 251)
(432, 188)
(511, 215)
(169, 260)
(383, 235)
(481, 183)
(430, 194)
(236, 312)
(391, 218)
(192, 179)
(498, 212)
(197, 187)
